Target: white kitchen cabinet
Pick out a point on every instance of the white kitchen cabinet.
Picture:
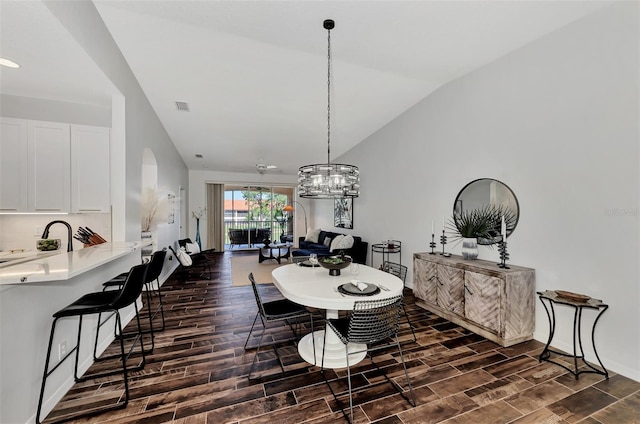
(49, 167)
(53, 167)
(90, 170)
(496, 303)
(13, 165)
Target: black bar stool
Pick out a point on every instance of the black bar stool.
(154, 270)
(96, 303)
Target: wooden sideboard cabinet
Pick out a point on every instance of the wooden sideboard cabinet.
(498, 304)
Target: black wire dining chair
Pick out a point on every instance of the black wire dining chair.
(372, 322)
(400, 271)
(275, 310)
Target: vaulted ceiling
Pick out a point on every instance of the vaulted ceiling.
(254, 73)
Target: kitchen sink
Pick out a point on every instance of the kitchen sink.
(14, 259)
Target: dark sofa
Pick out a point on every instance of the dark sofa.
(358, 252)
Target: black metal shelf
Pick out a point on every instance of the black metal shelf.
(387, 249)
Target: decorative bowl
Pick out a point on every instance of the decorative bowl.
(334, 263)
(45, 245)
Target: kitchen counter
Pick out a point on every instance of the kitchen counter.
(58, 266)
(31, 291)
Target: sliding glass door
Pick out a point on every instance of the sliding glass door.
(253, 214)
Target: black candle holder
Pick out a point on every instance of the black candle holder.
(443, 241)
(432, 245)
(504, 255)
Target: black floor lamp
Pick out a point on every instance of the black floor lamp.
(289, 208)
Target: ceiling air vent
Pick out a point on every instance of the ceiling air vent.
(182, 106)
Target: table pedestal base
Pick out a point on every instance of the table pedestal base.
(334, 353)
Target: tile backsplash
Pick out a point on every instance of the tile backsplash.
(22, 231)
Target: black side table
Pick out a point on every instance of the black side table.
(274, 248)
(578, 303)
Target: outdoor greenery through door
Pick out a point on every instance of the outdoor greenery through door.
(254, 213)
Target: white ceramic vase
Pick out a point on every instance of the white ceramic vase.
(470, 248)
(146, 236)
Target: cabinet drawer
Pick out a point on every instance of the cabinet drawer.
(482, 300)
(13, 165)
(49, 167)
(425, 281)
(90, 169)
(450, 289)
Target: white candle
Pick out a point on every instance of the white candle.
(432, 231)
(443, 223)
(503, 229)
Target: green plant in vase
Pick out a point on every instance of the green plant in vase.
(495, 233)
(472, 225)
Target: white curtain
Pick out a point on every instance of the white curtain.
(215, 216)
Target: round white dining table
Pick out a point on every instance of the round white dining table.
(314, 287)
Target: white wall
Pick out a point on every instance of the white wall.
(134, 126)
(557, 121)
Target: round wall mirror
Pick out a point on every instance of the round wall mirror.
(486, 192)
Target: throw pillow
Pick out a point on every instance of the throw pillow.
(192, 248)
(327, 241)
(184, 258)
(312, 235)
(346, 242)
(336, 242)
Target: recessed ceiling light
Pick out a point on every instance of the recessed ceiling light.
(8, 63)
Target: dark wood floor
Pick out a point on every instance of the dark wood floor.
(198, 374)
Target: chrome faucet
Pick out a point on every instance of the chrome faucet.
(45, 233)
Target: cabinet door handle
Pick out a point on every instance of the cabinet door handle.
(467, 289)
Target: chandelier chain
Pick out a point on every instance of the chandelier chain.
(328, 96)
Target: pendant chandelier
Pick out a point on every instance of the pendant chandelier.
(328, 180)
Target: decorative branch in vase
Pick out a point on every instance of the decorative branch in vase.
(149, 206)
(198, 214)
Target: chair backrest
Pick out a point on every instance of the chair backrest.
(398, 270)
(132, 286)
(257, 294)
(374, 320)
(183, 242)
(155, 265)
(182, 256)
